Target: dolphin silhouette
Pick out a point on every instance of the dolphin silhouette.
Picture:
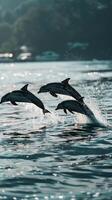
(23, 95)
(63, 88)
(75, 106)
(15, 96)
(72, 106)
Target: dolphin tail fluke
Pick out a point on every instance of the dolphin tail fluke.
(45, 111)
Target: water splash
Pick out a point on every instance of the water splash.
(98, 119)
(92, 104)
(82, 119)
(39, 120)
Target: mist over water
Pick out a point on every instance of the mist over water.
(56, 156)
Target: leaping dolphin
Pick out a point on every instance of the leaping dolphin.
(23, 95)
(75, 106)
(63, 88)
(15, 96)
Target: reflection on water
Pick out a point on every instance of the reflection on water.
(56, 156)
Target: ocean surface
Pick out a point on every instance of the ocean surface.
(56, 156)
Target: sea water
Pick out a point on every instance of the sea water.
(56, 156)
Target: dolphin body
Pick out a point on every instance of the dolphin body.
(15, 96)
(63, 88)
(23, 95)
(75, 106)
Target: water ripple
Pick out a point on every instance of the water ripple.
(56, 156)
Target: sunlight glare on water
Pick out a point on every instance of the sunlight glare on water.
(56, 156)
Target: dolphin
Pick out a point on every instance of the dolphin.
(72, 106)
(63, 88)
(15, 96)
(75, 106)
(23, 95)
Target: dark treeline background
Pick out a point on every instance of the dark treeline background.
(73, 28)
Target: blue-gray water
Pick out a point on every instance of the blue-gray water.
(56, 156)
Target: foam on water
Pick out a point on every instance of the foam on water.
(39, 120)
(97, 112)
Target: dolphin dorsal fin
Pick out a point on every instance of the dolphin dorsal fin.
(24, 88)
(65, 82)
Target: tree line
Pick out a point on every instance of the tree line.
(76, 29)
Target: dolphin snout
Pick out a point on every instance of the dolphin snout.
(39, 91)
(1, 101)
(57, 108)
